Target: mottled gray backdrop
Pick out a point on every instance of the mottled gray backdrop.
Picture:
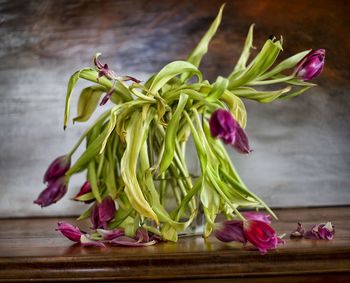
(301, 147)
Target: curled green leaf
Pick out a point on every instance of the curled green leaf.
(88, 101)
(172, 70)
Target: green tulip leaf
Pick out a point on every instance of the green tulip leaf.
(260, 64)
(170, 134)
(128, 167)
(260, 96)
(202, 48)
(243, 59)
(288, 63)
(88, 101)
(172, 70)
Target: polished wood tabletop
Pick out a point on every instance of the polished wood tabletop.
(31, 249)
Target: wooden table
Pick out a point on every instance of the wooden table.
(31, 249)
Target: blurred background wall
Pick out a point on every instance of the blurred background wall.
(301, 147)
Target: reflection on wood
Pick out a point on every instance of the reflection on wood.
(301, 153)
(31, 249)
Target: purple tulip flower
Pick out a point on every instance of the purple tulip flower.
(311, 65)
(264, 217)
(261, 235)
(57, 168)
(73, 233)
(85, 189)
(255, 229)
(224, 126)
(105, 71)
(102, 213)
(231, 231)
(55, 190)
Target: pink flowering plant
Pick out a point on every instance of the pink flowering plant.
(138, 188)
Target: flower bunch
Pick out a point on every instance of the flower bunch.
(135, 152)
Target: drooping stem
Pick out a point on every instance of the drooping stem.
(91, 127)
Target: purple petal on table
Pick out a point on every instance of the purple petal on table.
(299, 232)
(71, 232)
(312, 234)
(142, 235)
(87, 242)
(130, 242)
(110, 234)
(326, 231)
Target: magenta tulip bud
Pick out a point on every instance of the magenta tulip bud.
(261, 235)
(231, 231)
(85, 189)
(103, 213)
(54, 192)
(311, 65)
(257, 216)
(73, 233)
(224, 126)
(57, 168)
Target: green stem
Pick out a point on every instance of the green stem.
(82, 137)
(268, 82)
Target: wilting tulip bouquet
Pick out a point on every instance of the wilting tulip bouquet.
(138, 185)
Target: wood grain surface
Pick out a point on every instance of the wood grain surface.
(30, 249)
(301, 147)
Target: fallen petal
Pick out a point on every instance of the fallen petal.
(326, 231)
(312, 234)
(110, 234)
(87, 242)
(142, 235)
(73, 233)
(299, 232)
(130, 242)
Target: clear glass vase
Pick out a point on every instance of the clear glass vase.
(171, 193)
